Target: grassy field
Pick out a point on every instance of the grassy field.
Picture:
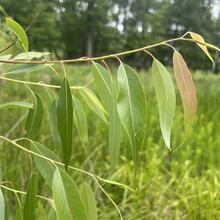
(180, 185)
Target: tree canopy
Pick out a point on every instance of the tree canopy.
(76, 28)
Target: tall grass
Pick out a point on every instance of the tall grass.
(183, 184)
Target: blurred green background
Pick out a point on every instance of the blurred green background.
(178, 185)
(76, 28)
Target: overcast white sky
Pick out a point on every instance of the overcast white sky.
(216, 8)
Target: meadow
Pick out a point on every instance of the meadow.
(182, 184)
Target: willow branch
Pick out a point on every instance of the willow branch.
(124, 53)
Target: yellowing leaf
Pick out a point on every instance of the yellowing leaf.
(19, 31)
(199, 38)
(166, 98)
(186, 87)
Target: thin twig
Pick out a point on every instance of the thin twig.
(124, 53)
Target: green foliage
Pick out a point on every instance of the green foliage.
(166, 98)
(121, 104)
(35, 118)
(67, 198)
(20, 33)
(65, 120)
(30, 201)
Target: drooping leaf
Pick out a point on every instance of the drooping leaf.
(115, 129)
(89, 202)
(80, 121)
(53, 125)
(51, 104)
(93, 103)
(186, 87)
(103, 83)
(65, 120)
(45, 167)
(132, 107)
(41, 212)
(166, 98)
(29, 55)
(25, 68)
(30, 201)
(68, 202)
(35, 118)
(2, 206)
(199, 38)
(19, 31)
(108, 94)
(17, 104)
(19, 212)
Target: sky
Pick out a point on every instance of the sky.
(216, 8)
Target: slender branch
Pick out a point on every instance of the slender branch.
(24, 193)
(42, 84)
(124, 53)
(61, 164)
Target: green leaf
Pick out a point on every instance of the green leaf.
(103, 83)
(108, 94)
(166, 98)
(186, 88)
(41, 212)
(19, 212)
(89, 201)
(46, 168)
(2, 206)
(29, 55)
(132, 107)
(80, 121)
(35, 118)
(53, 126)
(25, 68)
(203, 47)
(68, 202)
(65, 120)
(19, 31)
(115, 129)
(16, 104)
(30, 201)
(93, 103)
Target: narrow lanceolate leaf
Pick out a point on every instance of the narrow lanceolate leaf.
(132, 107)
(45, 167)
(65, 120)
(35, 118)
(115, 129)
(89, 202)
(80, 121)
(68, 202)
(186, 87)
(17, 104)
(94, 104)
(19, 31)
(103, 83)
(25, 68)
(199, 38)
(2, 206)
(30, 201)
(166, 98)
